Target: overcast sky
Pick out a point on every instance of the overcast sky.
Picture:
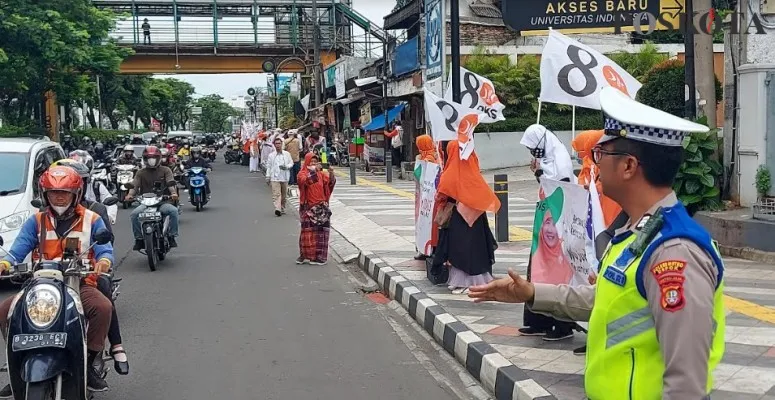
(228, 85)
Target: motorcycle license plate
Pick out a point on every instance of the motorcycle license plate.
(150, 214)
(28, 342)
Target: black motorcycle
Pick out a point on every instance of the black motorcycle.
(233, 155)
(342, 154)
(209, 153)
(155, 227)
(46, 342)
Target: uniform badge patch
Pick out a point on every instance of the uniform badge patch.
(670, 277)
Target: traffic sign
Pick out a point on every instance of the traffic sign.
(196, 110)
(251, 92)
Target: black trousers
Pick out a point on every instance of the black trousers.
(114, 332)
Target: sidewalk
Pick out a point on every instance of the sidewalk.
(378, 218)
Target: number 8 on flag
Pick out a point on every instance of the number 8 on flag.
(573, 73)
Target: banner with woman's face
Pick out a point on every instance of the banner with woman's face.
(558, 252)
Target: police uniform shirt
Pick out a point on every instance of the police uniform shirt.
(684, 331)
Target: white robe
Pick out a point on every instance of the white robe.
(556, 162)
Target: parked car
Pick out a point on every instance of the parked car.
(22, 161)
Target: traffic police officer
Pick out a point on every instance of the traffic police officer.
(656, 314)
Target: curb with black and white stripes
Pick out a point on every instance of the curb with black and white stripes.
(496, 373)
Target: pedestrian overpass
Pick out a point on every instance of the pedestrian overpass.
(238, 36)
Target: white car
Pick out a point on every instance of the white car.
(22, 161)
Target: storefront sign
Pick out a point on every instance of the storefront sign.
(434, 39)
(586, 16)
(365, 117)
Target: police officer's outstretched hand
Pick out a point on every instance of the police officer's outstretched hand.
(511, 289)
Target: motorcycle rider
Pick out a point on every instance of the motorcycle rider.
(143, 183)
(104, 284)
(65, 218)
(197, 160)
(67, 143)
(95, 191)
(128, 156)
(86, 144)
(185, 150)
(99, 151)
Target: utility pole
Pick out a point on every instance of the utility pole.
(388, 155)
(276, 111)
(99, 104)
(691, 91)
(316, 51)
(454, 17)
(703, 65)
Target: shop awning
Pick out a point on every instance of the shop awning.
(378, 122)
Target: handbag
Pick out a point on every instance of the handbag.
(319, 214)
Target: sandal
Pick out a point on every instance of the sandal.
(121, 367)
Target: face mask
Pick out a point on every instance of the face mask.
(60, 210)
(152, 162)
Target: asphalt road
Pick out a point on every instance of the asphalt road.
(228, 315)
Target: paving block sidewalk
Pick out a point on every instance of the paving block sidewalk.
(378, 218)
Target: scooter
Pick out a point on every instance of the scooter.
(124, 176)
(210, 153)
(46, 346)
(196, 187)
(155, 227)
(101, 174)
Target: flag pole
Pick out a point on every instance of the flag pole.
(538, 119)
(573, 127)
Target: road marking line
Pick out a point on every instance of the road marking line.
(515, 234)
(750, 309)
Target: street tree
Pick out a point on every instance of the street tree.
(215, 113)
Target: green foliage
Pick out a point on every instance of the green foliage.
(697, 182)
(21, 131)
(640, 63)
(664, 88)
(763, 181)
(290, 121)
(215, 114)
(52, 45)
(101, 134)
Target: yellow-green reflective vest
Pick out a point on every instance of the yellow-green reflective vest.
(624, 360)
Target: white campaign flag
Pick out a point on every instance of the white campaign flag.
(478, 92)
(452, 121)
(573, 73)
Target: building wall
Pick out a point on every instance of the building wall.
(502, 149)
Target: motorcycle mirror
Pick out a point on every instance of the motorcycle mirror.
(37, 203)
(103, 236)
(110, 201)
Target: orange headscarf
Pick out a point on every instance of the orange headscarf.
(427, 149)
(462, 181)
(314, 187)
(583, 144)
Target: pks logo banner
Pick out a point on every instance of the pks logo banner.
(478, 92)
(434, 39)
(452, 121)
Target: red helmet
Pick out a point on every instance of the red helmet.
(61, 178)
(152, 152)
